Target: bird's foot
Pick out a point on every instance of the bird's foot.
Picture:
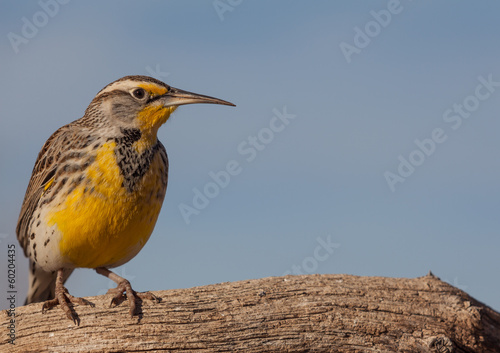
(63, 298)
(131, 295)
(124, 291)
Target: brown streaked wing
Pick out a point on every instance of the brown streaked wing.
(44, 170)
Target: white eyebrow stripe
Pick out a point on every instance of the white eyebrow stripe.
(122, 85)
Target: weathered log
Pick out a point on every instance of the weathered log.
(314, 313)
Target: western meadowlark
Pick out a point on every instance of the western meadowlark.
(97, 188)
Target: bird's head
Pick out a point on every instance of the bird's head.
(142, 102)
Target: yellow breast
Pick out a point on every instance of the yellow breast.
(102, 224)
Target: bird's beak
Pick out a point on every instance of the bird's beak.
(176, 97)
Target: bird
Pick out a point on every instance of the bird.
(96, 190)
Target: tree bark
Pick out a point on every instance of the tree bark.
(313, 313)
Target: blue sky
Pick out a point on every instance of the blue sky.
(315, 197)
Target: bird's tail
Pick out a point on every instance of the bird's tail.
(42, 284)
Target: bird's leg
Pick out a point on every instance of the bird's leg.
(124, 286)
(62, 297)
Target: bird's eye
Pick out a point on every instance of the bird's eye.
(138, 93)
